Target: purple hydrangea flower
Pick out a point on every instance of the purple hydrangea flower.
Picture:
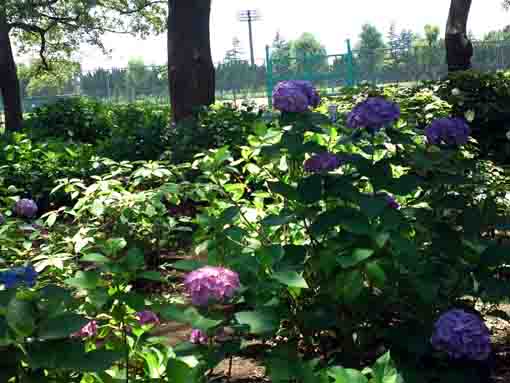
(198, 337)
(26, 208)
(87, 331)
(147, 317)
(392, 202)
(462, 335)
(295, 96)
(373, 114)
(19, 275)
(450, 131)
(322, 162)
(211, 284)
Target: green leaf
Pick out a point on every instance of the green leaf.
(290, 278)
(284, 190)
(95, 258)
(352, 220)
(495, 255)
(310, 189)
(278, 220)
(21, 317)
(236, 190)
(356, 257)
(230, 215)
(188, 265)
(385, 372)
(61, 326)
(114, 245)
(69, 355)
(346, 375)
(134, 259)
(292, 142)
(189, 315)
(179, 372)
(87, 280)
(404, 185)
(260, 322)
(372, 206)
(349, 285)
(52, 218)
(376, 274)
(151, 276)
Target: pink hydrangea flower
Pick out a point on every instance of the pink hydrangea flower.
(198, 337)
(147, 317)
(211, 284)
(87, 331)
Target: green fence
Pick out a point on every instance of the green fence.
(381, 66)
(327, 72)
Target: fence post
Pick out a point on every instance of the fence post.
(269, 78)
(350, 65)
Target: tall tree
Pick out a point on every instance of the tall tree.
(280, 54)
(459, 49)
(55, 28)
(431, 34)
(308, 47)
(190, 67)
(371, 50)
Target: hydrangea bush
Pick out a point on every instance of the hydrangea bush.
(330, 219)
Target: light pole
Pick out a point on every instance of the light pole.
(249, 16)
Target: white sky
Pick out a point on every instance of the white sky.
(331, 21)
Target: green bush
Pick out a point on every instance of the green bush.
(81, 119)
(214, 127)
(484, 98)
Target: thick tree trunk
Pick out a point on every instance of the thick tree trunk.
(190, 65)
(459, 49)
(9, 84)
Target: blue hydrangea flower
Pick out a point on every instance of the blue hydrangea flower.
(295, 96)
(26, 208)
(462, 335)
(17, 276)
(322, 162)
(373, 114)
(449, 131)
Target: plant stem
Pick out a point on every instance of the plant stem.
(127, 349)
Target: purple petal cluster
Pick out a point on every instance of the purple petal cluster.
(26, 208)
(147, 317)
(322, 162)
(450, 131)
(462, 335)
(211, 284)
(373, 114)
(198, 337)
(295, 96)
(392, 202)
(19, 276)
(87, 331)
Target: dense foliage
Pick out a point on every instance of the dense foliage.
(335, 243)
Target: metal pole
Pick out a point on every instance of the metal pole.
(252, 56)
(269, 78)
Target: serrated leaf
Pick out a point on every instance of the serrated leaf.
(21, 317)
(290, 278)
(259, 322)
(95, 258)
(84, 280)
(356, 257)
(61, 326)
